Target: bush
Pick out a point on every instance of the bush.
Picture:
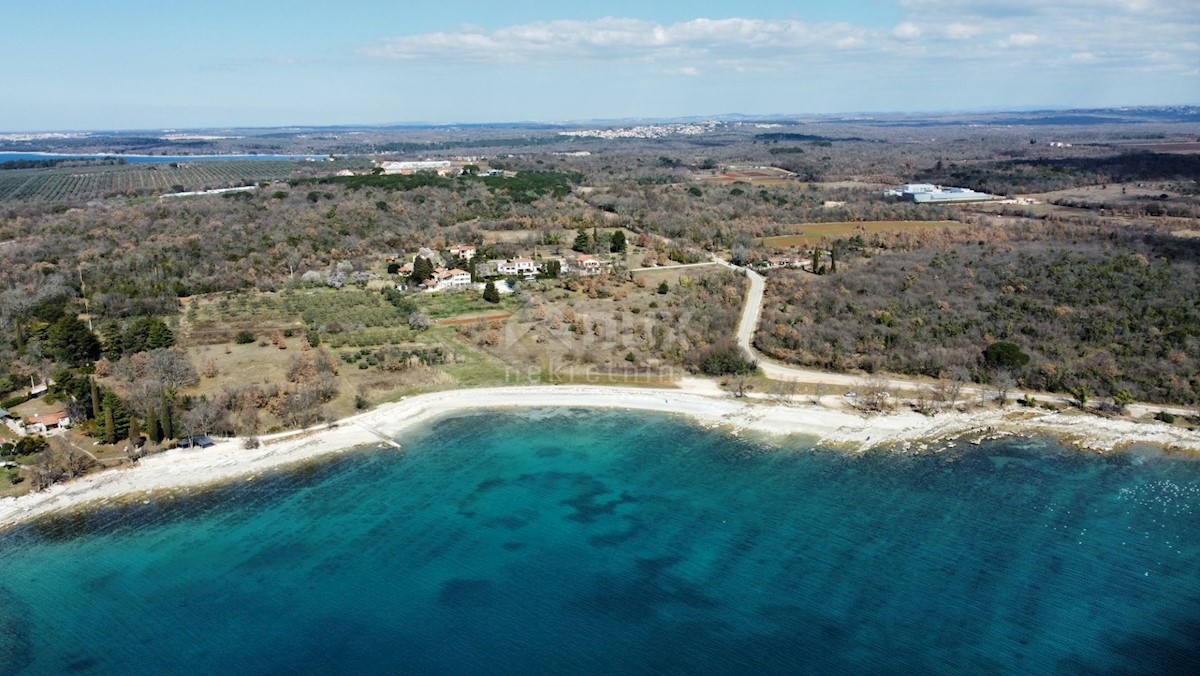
(251, 443)
(723, 359)
(15, 401)
(244, 338)
(1005, 355)
(1164, 416)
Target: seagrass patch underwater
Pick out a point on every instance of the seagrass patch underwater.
(585, 542)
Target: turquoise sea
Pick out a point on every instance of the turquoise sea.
(582, 542)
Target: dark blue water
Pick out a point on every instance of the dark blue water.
(159, 159)
(611, 543)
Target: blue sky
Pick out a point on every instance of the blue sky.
(121, 64)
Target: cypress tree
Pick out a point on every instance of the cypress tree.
(135, 430)
(95, 392)
(152, 427)
(110, 427)
(168, 428)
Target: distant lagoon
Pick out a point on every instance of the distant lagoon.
(7, 156)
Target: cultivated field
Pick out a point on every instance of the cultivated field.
(348, 317)
(76, 184)
(368, 336)
(813, 233)
(769, 176)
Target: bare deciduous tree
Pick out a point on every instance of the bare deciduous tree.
(784, 391)
(873, 394)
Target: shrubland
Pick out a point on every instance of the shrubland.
(147, 312)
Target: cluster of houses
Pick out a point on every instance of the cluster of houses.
(447, 278)
(778, 262)
(452, 167)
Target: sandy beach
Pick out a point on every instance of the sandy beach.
(833, 423)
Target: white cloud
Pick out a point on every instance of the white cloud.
(1082, 35)
(612, 37)
(961, 31)
(907, 31)
(1019, 40)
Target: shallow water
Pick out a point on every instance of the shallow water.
(598, 542)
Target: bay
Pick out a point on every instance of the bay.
(584, 542)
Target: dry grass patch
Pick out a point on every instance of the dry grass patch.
(813, 233)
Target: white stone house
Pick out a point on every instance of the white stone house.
(518, 266)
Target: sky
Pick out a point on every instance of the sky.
(124, 64)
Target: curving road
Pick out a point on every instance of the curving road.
(748, 324)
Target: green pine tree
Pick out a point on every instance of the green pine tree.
(490, 293)
(422, 270)
(616, 242)
(71, 342)
(118, 424)
(583, 241)
(158, 335)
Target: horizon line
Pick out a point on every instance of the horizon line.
(718, 117)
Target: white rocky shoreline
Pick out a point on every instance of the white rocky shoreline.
(833, 425)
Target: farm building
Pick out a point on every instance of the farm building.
(927, 193)
(441, 167)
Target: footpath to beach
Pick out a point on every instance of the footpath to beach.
(830, 422)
